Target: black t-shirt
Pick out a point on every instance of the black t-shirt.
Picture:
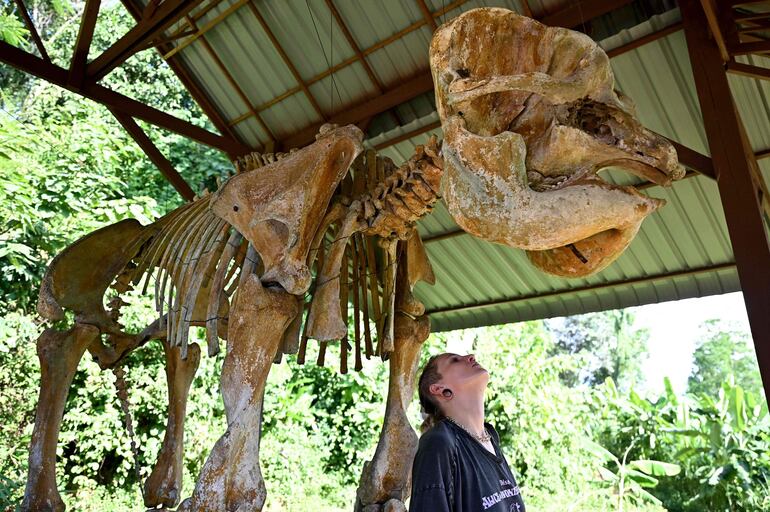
(453, 472)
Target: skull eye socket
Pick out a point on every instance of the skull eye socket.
(448, 76)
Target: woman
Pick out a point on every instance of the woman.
(459, 466)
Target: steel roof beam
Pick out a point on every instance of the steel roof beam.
(736, 170)
(352, 42)
(361, 58)
(195, 16)
(208, 26)
(427, 15)
(753, 47)
(58, 76)
(406, 136)
(737, 68)
(581, 12)
(570, 291)
(238, 90)
(285, 58)
(352, 60)
(156, 18)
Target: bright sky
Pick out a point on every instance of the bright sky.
(674, 330)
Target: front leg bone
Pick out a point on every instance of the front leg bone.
(385, 480)
(231, 479)
(165, 482)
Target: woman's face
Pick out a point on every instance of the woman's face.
(460, 372)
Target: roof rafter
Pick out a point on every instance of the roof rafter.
(285, 58)
(429, 19)
(581, 12)
(351, 60)
(352, 115)
(192, 85)
(560, 293)
(155, 19)
(238, 90)
(32, 30)
(58, 76)
(352, 42)
(154, 154)
(195, 16)
(83, 42)
(748, 70)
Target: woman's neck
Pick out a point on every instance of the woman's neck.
(468, 410)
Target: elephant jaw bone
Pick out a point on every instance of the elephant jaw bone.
(486, 191)
(537, 109)
(279, 207)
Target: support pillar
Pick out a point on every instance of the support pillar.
(740, 193)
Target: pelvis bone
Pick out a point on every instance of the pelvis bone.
(530, 115)
(279, 207)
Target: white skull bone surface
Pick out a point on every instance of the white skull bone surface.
(530, 115)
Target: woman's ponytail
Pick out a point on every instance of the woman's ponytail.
(429, 406)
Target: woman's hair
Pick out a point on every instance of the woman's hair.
(430, 406)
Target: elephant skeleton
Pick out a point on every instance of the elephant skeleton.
(337, 224)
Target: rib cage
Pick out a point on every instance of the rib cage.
(195, 260)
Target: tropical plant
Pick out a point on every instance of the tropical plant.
(630, 479)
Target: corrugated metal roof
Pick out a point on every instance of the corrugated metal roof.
(681, 251)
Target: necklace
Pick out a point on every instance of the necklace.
(481, 438)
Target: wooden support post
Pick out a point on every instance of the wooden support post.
(748, 70)
(733, 160)
(154, 154)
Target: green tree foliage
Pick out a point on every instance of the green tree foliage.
(607, 344)
(723, 350)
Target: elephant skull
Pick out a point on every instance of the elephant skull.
(530, 114)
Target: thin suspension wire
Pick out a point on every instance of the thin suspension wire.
(328, 65)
